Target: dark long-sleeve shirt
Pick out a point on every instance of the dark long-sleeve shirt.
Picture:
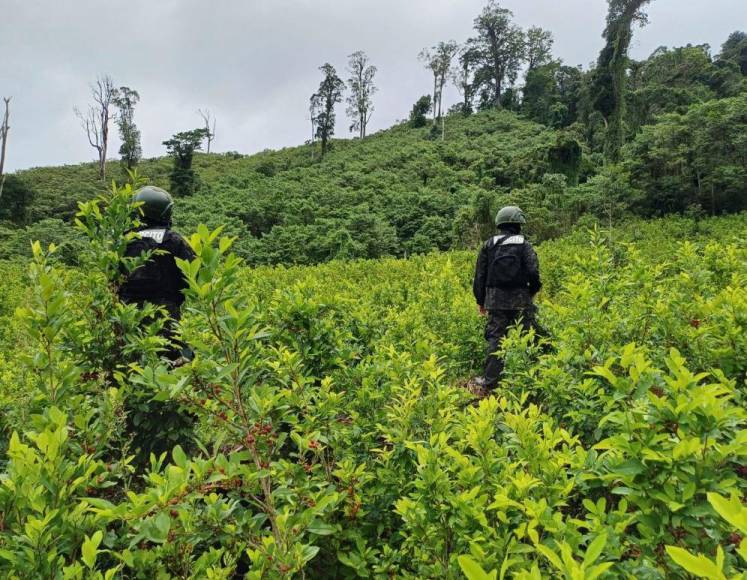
(159, 280)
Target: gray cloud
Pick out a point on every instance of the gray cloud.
(254, 62)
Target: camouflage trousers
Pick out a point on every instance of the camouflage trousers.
(499, 323)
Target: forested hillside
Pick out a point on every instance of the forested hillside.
(391, 193)
(400, 192)
(414, 188)
(313, 412)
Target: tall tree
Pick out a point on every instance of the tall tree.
(130, 150)
(361, 84)
(538, 47)
(438, 59)
(182, 147)
(540, 93)
(735, 50)
(323, 104)
(463, 74)
(4, 129)
(209, 120)
(693, 158)
(502, 49)
(608, 83)
(552, 93)
(671, 80)
(95, 121)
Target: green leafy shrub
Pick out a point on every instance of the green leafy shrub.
(332, 437)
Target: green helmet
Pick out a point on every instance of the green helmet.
(157, 204)
(510, 215)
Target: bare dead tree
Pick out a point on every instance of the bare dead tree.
(4, 128)
(313, 112)
(209, 119)
(95, 121)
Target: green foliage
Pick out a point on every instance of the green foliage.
(130, 150)
(17, 197)
(420, 110)
(391, 194)
(552, 94)
(182, 147)
(501, 47)
(321, 429)
(362, 88)
(565, 157)
(670, 81)
(46, 516)
(538, 47)
(322, 105)
(17, 241)
(735, 50)
(735, 513)
(438, 60)
(610, 77)
(333, 437)
(413, 189)
(696, 158)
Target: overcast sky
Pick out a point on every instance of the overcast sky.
(254, 62)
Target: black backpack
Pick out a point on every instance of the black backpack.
(505, 269)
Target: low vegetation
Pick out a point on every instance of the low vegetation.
(332, 438)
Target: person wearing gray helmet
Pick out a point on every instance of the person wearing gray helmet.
(506, 280)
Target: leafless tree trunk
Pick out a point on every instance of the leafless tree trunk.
(436, 97)
(438, 60)
(313, 112)
(207, 118)
(4, 128)
(95, 121)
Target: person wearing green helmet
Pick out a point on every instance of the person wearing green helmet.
(159, 281)
(156, 205)
(506, 280)
(156, 425)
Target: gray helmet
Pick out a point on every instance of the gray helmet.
(157, 204)
(510, 215)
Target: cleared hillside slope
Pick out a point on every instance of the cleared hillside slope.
(393, 193)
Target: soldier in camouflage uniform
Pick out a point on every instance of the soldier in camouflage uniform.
(506, 280)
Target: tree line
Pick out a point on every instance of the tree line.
(603, 107)
(360, 99)
(484, 69)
